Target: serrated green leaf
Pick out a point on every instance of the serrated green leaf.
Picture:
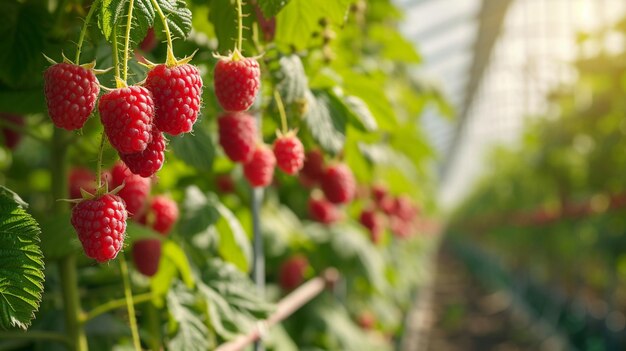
(190, 331)
(355, 109)
(223, 16)
(178, 18)
(21, 264)
(292, 82)
(196, 150)
(234, 245)
(271, 8)
(326, 120)
(299, 19)
(113, 14)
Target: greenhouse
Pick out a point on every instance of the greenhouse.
(433, 175)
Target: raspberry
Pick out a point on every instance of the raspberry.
(11, 137)
(160, 215)
(292, 272)
(238, 135)
(366, 320)
(135, 190)
(259, 171)
(101, 226)
(177, 92)
(313, 167)
(146, 256)
(379, 192)
(81, 178)
(405, 209)
(149, 42)
(127, 115)
(150, 160)
(267, 25)
(289, 153)
(71, 92)
(237, 81)
(338, 184)
(371, 220)
(400, 228)
(224, 183)
(323, 211)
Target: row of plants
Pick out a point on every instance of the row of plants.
(552, 207)
(177, 129)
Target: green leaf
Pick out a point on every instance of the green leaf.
(190, 331)
(292, 82)
(355, 110)
(173, 263)
(113, 14)
(21, 264)
(136, 231)
(199, 213)
(272, 7)
(297, 21)
(58, 237)
(196, 150)
(22, 101)
(233, 245)
(326, 120)
(233, 305)
(392, 45)
(178, 18)
(23, 30)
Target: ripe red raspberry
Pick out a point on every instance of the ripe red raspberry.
(404, 208)
(150, 160)
(338, 184)
(149, 42)
(238, 135)
(71, 92)
(267, 25)
(379, 192)
(146, 256)
(11, 137)
(289, 153)
(135, 190)
(292, 272)
(400, 228)
(313, 167)
(371, 220)
(101, 226)
(224, 183)
(259, 171)
(160, 215)
(81, 178)
(177, 92)
(322, 210)
(237, 81)
(127, 115)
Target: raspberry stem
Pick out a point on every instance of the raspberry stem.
(239, 26)
(281, 111)
(83, 31)
(129, 23)
(171, 59)
(116, 58)
(128, 292)
(99, 183)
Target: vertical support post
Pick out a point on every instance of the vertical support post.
(258, 264)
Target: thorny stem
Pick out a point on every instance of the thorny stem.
(239, 26)
(128, 292)
(281, 111)
(171, 60)
(115, 304)
(116, 57)
(129, 23)
(83, 31)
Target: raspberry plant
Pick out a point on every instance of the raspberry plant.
(282, 84)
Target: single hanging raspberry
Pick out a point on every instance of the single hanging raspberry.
(127, 115)
(405, 209)
(150, 160)
(322, 210)
(259, 171)
(292, 272)
(338, 183)
(237, 80)
(313, 167)
(238, 135)
(379, 193)
(101, 226)
(11, 137)
(160, 215)
(177, 92)
(224, 183)
(372, 220)
(146, 256)
(289, 153)
(135, 191)
(71, 92)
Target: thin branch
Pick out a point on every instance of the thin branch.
(115, 304)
